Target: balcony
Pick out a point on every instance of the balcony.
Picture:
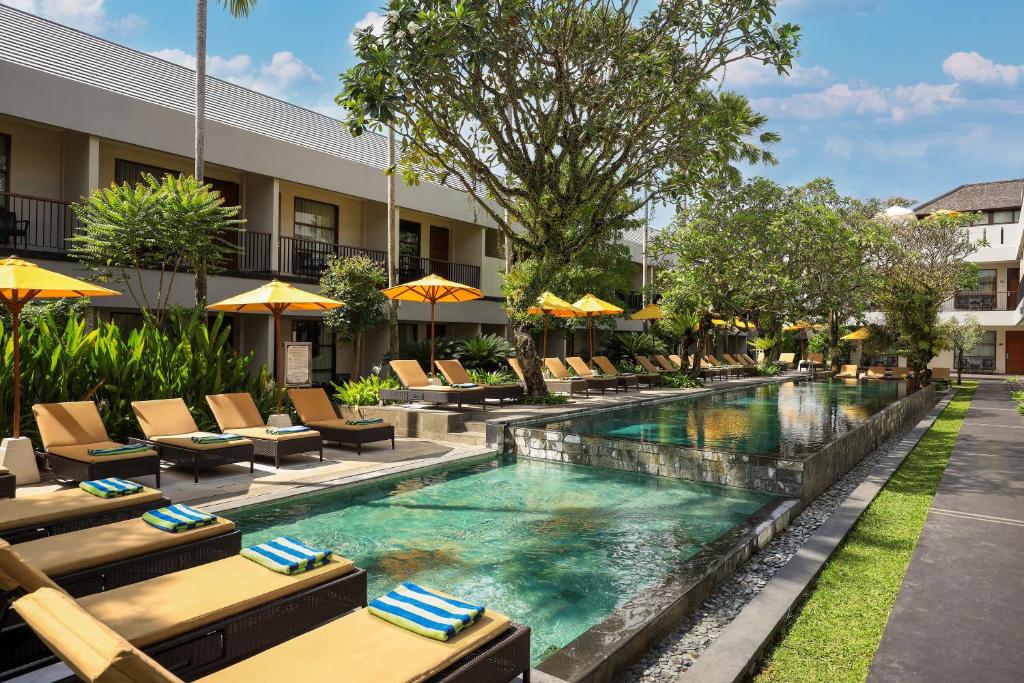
(985, 301)
(35, 225)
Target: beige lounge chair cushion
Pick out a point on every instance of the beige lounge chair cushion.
(362, 647)
(312, 404)
(261, 433)
(787, 357)
(339, 423)
(164, 416)
(67, 424)
(185, 441)
(453, 371)
(647, 365)
(158, 609)
(664, 363)
(89, 648)
(940, 373)
(15, 571)
(580, 366)
(606, 366)
(235, 411)
(901, 372)
(847, 371)
(63, 554)
(875, 372)
(556, 368)
(410, 374)
(43, 508)
(81, 452)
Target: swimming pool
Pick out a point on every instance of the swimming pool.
(554, 546)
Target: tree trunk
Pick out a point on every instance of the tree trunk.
(393, 346)
(200, 140)
(357, 351)
(526, 353)
(833, 340)
(201, 286)
(959, 367)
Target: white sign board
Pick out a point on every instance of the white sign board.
(298, 364)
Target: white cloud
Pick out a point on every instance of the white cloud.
(372, 20)
(276, 77)
(88, 15)
(900, 103)
(971, 67)
(750, 72)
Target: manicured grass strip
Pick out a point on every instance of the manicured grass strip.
(836, 632)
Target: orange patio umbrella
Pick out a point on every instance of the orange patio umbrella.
(590, 306)
(433, 289)
(549, 304)
(21, 282)
(275, 298)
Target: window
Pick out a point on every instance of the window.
(131, 172)
(1002, 217)
(316, 220)
(322, 340)
(494, 243)
(982, 358)
(987, 280)
(409, 235)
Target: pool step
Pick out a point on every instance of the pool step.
(467, 438)
(478, 426)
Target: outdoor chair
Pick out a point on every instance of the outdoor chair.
(900, 373)
(417, 387)
(170, 428)
(848, 372)
(787, 360)
(650, 367)
(238, 414)
(559, 371)
(665, 363)
(815, 360)
(316, 410)
(941, 374)
(357, 647)
(69, 431)
(875, 372)
(8, 483)
(580, 367)
(735, 362)
(566, 386)
(456, 374)
(626, 379)
(60, 512)
(195, 620)
(747, 358)
(735, 370)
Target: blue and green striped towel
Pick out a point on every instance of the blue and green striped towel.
(365, 421)
(110, 488)
(177, 518)
(287, 430)
(120, 450)
(216, 438)
(425, 612)
(287, 555)
(466, 385)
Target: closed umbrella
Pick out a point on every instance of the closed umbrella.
(275, 298)
(433, 289)
(590, 307)
(549, 304)
(860, 334)
(21, 282)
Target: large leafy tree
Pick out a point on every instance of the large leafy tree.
(960, 337)
(356, 282)
(547, 112)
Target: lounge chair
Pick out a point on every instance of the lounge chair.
(813, 361)
(626, 379)
(456, 374)
(787, 360)
(566, 386)
(736, 370)
(8, 483)
(170, 429)
(198, 619)
(665, 363)
(580, 367)
(417, 387)
(941, 374)
(848, 372)
(357, 647)
(69, 431)
(742, 364)
(559, 371)
(748, 359)
(60, 512)
(900, 373)
(316, 410)
(238, 414)
(875, 372)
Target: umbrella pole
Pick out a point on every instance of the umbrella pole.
(433, 375)
(15, 307)
(277, 357)
(590, 324)
(545, 335)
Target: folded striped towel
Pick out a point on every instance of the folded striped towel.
(424, 611)
(216, 438)
(110, 488)
(177, 518)
(365, 421)
(287, 555)
(466, 385)
(288, 430)
(120, 450)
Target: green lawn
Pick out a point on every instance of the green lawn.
(834, 635)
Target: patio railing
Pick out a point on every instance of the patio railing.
(988, 300)
(35, 224)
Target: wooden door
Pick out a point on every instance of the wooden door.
(439, 246)
(1015, 353)
(1012, 282)
(230, 193)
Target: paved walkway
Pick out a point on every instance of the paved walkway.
(959, 613)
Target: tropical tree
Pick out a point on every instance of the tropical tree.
(961, 336)
(356, 281)
(511, 103)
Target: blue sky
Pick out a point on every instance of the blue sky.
(889, 97)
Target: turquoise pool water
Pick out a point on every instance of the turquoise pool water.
(789, 419)
(557, 547)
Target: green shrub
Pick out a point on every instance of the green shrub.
(626, 346)
(545, 400)
(1012, 379)
(484, 352)
(490, 376)
(677, 380)
(419, 350)
(769, 369)
(365, 391)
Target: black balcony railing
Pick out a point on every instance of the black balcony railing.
(254, 254)
(413, 268)
(633, 301)
(986, 300)
(306, 259)
(35, 225)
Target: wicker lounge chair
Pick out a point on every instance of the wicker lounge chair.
(940, 374)
(815, 360)
(787, 360)
(566, 386)
(417, 387)
(559, 371)
(8, 483)
(198, 619)
(238, 414)
(848, 372)
(734, 362)
(122, 553)
(316, 410)
(665, 364)
(70, 430)
(706, 370)
(60, 512)
(746, 357)
(580, 367)
(650, 367)
(875, 372)
(637, 378)
(900, 373)
(456, 374)
(362, 646)
(169, 428)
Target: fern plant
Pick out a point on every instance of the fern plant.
(364, 391)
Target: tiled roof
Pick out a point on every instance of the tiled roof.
(999, 194)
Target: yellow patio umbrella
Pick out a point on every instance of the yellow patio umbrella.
(860, 334)
(549, 304)
(649, 312)
(275, 298)
(22, 281)
(589, 307)
(433, 289)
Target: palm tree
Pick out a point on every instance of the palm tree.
(393, 346)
